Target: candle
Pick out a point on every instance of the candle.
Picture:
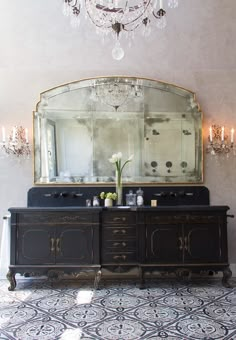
(210, 131)
(232, 135)
(26, 136)
(3, 135)
(161, 4)
(222, 133)
(13, 134)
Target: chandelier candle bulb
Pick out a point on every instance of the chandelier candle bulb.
(161, 4)
(210, 133)
(13, 134)
(26, 135)
(3, 135)
(222, 133)
(232, 136)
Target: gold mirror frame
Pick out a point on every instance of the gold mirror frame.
(79, 125)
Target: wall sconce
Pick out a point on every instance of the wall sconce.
(17, 143)
(218, 140)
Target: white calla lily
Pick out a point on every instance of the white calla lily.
(116, 159)
(119, 155)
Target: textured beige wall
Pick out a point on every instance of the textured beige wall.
(39, 50)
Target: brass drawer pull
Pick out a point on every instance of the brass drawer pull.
(186, 243)
(181, 243)
(58, 245)
(119, 231)
(52, 242)
(119, 257)
(117, 219)
(116, 244)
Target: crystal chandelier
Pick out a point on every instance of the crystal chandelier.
(119, 17)
(116, 94)
(218, 141)
(17, 143)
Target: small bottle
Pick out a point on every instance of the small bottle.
(88, 203)
(139, 194)
(130, 198)
(95, 201)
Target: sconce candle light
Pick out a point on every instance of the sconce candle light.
(219, 141)
(17, 143)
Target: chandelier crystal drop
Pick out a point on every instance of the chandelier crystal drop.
(119, 18)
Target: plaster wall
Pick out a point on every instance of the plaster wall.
(197, 50)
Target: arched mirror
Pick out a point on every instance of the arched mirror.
(78, 126)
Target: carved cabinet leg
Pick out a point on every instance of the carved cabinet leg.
(227, 273)
(97, 278)
(11, 279)
(142, 280)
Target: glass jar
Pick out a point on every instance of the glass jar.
(130, 198)
(139, 194)
(95, 201)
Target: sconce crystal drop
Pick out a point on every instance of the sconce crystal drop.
(17, 143)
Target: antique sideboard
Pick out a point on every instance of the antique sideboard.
(57, 234)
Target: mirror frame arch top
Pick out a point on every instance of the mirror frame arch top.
(159, 122)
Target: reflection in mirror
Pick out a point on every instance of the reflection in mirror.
(78, 126)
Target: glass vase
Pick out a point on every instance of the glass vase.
(119, 189)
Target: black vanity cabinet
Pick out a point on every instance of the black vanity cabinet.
(179, 239)
(53, 241)
(185, 239)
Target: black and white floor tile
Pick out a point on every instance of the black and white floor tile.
(198, 310)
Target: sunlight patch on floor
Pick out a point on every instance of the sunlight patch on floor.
(84, 296)
(70, 334)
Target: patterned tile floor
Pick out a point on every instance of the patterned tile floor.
(118, 311)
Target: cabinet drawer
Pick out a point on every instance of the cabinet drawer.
(57, 217)
(125, 257)
(117, 233)
(179, 218)
(165, 219)
(123, 217)
(120, 245)
(203, 218)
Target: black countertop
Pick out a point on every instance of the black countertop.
(126, 208)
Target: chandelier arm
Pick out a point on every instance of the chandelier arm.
(133, 28)
(119, 10)
(146, 4)
(71, 5)
(160, 13)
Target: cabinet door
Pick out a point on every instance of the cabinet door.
(164, 243)
(35, 245)
(74, 244)
(202, 243)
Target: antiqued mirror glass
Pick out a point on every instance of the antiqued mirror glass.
(78, 126)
